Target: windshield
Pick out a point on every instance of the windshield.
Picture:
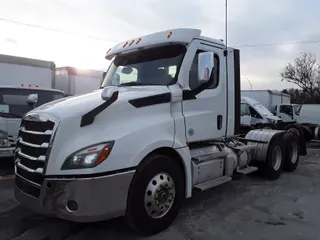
(154, 66)
(262, 109)
(13, 102)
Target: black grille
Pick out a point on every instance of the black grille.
(34, 138)
(33, 177)
(32, 151)
(31, 164)
(27, 187)
(38, 126)
(31, 154)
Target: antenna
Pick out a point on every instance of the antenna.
(226, 23)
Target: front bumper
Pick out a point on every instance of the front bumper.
(97, 199)
(7, 152)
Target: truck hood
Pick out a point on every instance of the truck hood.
(82, 104)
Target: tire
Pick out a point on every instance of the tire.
(155, 169)
(272, 169)
(317, 133)
(291, 152)
(308, 133)
(298, 130)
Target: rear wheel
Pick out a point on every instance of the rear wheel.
(272, 169)
(156, 195)
(291, 153)
(299, 131)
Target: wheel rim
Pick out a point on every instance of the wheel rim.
(294, 152)
(159, 195)
(276, 158)
(294, 130)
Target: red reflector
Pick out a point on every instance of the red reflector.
(29, 85)
(37, 86)
(22, 85)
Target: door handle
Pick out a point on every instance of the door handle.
(219, 122)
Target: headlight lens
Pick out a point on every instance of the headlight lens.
(4, 139)
(88, 157)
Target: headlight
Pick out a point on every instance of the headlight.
(88, 157)
(4, 139)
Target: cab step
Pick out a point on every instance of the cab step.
(213, 183)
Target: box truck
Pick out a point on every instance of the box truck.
(75, 81)
(19, 78)
(276, 102)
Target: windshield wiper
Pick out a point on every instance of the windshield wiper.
(8, 115)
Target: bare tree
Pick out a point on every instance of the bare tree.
(305, 73)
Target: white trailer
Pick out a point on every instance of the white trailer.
(276, 102)
(75, 81)
(19, 78)
(138, 148)
(19, 71)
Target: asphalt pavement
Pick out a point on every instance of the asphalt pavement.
(251, 208)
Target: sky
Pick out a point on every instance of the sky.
(88, 28)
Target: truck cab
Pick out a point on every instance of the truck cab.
(164, 123)
(255, 114)
(13, 106)
(286, 112)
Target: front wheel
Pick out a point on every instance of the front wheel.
(156, 195)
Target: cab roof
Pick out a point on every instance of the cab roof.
(179, 35)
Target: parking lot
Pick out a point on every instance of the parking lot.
(251, 208)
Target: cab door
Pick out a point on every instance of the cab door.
(286, 113)
(205, 112)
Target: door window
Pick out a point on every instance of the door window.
(254, 113)
(286, 109)
(244, 111)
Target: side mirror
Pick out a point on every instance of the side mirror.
(107, 92)
(205, 66)
(32, 99)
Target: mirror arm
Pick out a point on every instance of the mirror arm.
(203, 86)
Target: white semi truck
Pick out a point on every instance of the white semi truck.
(139, 147)
(75, 81)
(19, 78)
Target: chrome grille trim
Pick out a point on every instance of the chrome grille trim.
(34, 143)
(38, 170)
(41, 158)
(48, 132)
(43, 145)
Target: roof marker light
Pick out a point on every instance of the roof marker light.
(109, 50)
(124, 45)
(169, 34)
(138, 40)
(131, 42)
